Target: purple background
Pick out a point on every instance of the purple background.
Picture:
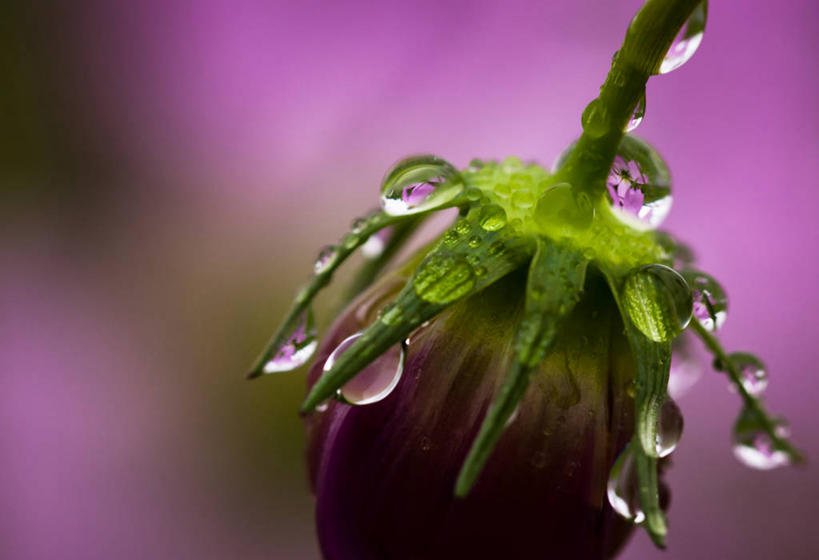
(170, 172)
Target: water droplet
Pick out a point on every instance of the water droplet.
(358, 225)
(325, 258)
(669, 428)
(443, 278)
(658, 301)
(687, 41)
(512, 417)
(376, 243)
(753, 446)
(710, 301)
(623, 489)
(638, 114)
(492, 217)
(639, 185)
(595, 120)
(511, 164)
(475, 165)
(562, 209)
(752, 372)
(523, 198)
(322, 407)
(419, 183)
(473, 194)
(376, 381)
(297, 348)
(686, 366)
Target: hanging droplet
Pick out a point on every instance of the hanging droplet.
(297, 348)
(658, 301)
(376, 381)
(710, 301)
(561, 209)
(623, 489)
(753, 446)
(358, 225)
(419, 183)
(492, 217)
(638, 114)
(686, 366)
(639, 185)
(669, 428)
(325, 258)
(595, 119)
(752, 372)
(376, 243)
(687, 40)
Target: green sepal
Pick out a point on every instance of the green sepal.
(466, 260)
(370, 270)
(317, 282)
(648, 486)
(653, 362)
(556, 278)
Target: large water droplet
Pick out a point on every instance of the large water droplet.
(376, 381)
(669, 428)
(419, 183)
(710, 301)
(687, 40)
(325, 258)
(752, 372)
(658, 301)
(595, 119)
(638, 114)
(492, 217)
(562, 209)
(297, 348)
(686, 366)
(623, 489)
(375, 244)
(753, 446)
(639, 185)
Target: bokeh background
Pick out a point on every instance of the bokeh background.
(169, 169)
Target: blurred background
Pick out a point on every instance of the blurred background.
(169, 169)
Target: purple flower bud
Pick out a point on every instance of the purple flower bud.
(384, 473)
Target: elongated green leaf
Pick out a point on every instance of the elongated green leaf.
(556, 278)
(466, 260)
(649, 496)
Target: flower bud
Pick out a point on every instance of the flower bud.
(384, 473)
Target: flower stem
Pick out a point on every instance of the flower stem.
(646, 43)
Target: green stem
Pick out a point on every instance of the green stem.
(647, 41)
(751, 403)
